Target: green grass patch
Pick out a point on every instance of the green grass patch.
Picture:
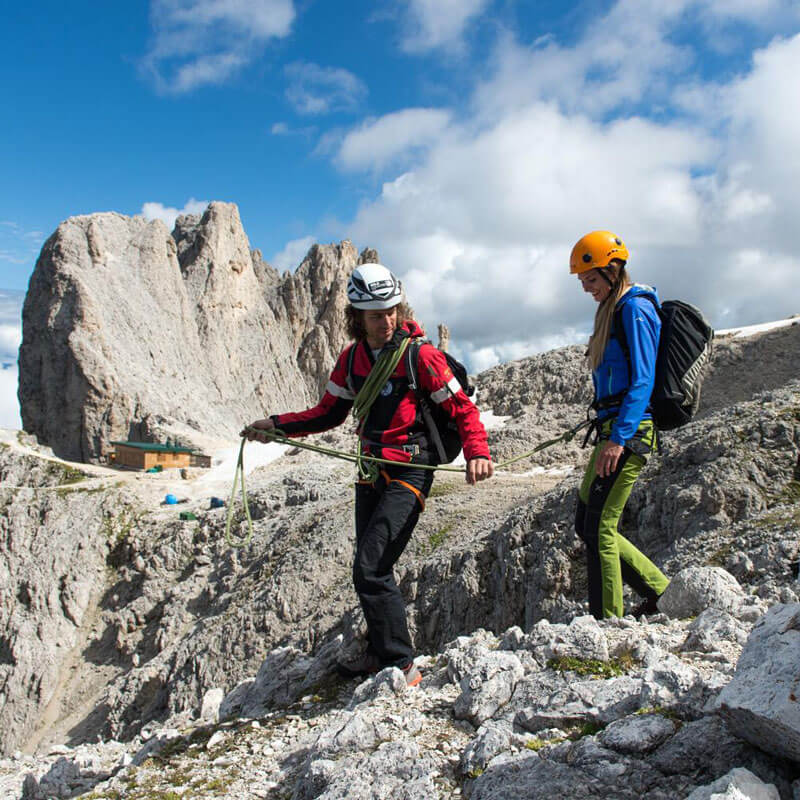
(441, 490)
(536, 744)
(720, 556)
(669, 713)
(587, 729)
(117, 528)
(437, 539)
(68, 475)
(790, 493)
(591, 667)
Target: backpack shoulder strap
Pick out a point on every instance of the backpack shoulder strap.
(412, 365)
(412, 370)
(619, 328)
(351, 357)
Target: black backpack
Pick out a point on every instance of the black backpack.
(684, 352)
(441, 426)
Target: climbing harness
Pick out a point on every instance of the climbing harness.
(279, 437)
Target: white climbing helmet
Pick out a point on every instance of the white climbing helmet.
(372, 286)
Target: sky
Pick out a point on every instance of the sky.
(471, 142)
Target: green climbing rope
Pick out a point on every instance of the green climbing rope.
(238, 477)
(279, 437)
(382, 370)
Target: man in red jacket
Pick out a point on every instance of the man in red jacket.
(387, 510)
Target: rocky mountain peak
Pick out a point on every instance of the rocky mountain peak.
(132, 332)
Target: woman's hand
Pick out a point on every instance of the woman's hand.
(252, 431)
(479, 469)
(608, 458)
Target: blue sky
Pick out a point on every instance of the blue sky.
(470, 141)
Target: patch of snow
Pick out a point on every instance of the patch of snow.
(218, 480)
(751, 330)
(492, 421)
(554, 472)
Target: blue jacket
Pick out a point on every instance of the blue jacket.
(613, 375)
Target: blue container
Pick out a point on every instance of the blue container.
(217, 502)
(171, 500)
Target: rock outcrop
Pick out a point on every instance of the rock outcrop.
(761, 703)
(312, 301)
(206, 670)
(132, 332)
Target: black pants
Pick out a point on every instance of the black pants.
(386, 513)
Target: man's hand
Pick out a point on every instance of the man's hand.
(479, 469)
(252, 431)
(608, 458)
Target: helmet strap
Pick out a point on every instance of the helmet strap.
(608, 280)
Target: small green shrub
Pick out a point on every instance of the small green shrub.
(591, 667)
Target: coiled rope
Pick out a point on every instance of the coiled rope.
(373, 385)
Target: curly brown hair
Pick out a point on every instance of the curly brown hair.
(354, 318)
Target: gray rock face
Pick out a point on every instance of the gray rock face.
(637, 734)
(173, 614)
(738, 784)
(130, 332)
(489, 686)
(53, 549)
(761, 702)
(312, 301)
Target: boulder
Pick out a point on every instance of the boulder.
(695, 589)
(738, 784)
(762, 702)
(488, 687)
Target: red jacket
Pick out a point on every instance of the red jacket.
(394, 419)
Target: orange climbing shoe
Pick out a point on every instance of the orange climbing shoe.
(412, 675)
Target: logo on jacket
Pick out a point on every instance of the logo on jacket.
(387, 389)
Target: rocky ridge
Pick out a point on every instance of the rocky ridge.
(183, 617)
(206, 670)
(132, 332)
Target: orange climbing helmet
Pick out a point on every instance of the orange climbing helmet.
(596, 250)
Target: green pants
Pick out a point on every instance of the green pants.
(610, 557)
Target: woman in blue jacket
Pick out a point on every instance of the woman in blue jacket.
(622, 354)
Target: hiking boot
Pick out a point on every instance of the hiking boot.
(359, 667)
(648, 606)
(412, 675)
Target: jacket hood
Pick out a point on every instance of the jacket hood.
(639, 290)
(412, 328)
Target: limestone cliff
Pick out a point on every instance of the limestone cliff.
(130, 331)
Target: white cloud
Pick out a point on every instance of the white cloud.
(9, 405)
(18, 245)
(439, 23)
(168, 214)
(279, 129)
(314, 89)
(623, 56)
(760, 13)
(10, 339)
(480, 224)
(375, 143)
(201, 42)
(292, 254)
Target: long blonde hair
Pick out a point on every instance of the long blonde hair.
(620, 283)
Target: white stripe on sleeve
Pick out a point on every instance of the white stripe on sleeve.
(339, 391)
(450, 388)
